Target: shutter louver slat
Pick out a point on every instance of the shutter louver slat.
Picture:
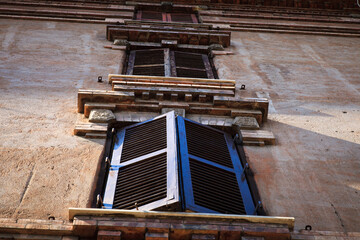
(207, 144)
(227, 199)
(144, 139)
(130, 180)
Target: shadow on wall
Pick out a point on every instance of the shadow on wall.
(309, 176)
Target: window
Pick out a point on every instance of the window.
(144, 15)
(172, 163)
(165, 62)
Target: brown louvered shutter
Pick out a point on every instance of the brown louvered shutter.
(182, 17)
(144, 167)
(191, 65)
(151, 16)
(166, 17)
(212, 174)
(150, 62)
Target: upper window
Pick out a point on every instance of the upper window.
(172, 163)
(144, 15)
(168, 63)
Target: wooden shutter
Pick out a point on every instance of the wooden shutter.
(144, 167)
(191, 65)
(211, 171)
(151, 16)
(150, 62)
(166, 17)
(182, 17)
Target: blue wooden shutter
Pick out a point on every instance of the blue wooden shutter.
(144, 168)
(211, 171)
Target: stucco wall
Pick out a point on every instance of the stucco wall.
(313, 173)
(313, 82)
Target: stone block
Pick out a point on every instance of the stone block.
(101, 116)
(245, 123)
(178, 111)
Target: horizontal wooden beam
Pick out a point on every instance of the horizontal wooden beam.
(170, 90)
(102, 96)
(289, 221)
(182, 36)
(113, 77)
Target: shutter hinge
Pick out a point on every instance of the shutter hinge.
(107, 163)
(238, 139)
(99, 201)
(244, 172)
(258, 206)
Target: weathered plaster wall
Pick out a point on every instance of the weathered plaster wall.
(313, 82)
(44, 169)
(312, 173)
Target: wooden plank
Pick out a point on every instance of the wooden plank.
(95, 135)
(102, 96)
(258, 135)
(173, 24)
(172, 84)
(170, 27)
(165, 90)
(210, 111)
(83, 129)
(183, 37)
(261, 104)
(138, 107)
(288, 221)
(168, 104)
(112, 77)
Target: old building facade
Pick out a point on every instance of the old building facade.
(180, 120)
